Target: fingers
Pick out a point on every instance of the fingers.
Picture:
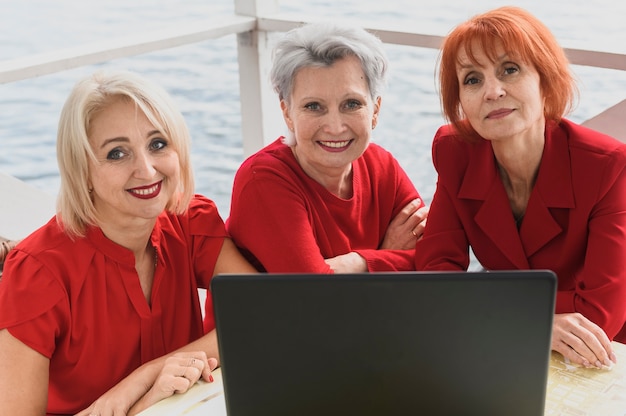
(206, 373)
(581, 341)
(183, 370)
(406, 227)
(420, 216)
(405, 214)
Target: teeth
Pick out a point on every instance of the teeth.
(146, 191)
(336, 144)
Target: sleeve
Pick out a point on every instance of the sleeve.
(388, 260)
(270, 220)
(207, 232)
(32, 304)
(601, 286)
(379, 260)
(444, 245)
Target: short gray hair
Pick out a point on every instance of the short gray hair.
(320, 45)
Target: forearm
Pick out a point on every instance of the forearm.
(388, 260)
(141, 380)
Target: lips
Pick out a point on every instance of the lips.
(336, 145)
(146, 192)
(502, 112)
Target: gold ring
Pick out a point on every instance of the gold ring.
(413, 232)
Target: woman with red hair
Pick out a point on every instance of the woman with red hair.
(522, 186)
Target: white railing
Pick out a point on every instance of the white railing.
(252, 22)
(255, 19)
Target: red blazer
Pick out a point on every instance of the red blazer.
(575, 221)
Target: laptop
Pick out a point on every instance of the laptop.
(423, 343)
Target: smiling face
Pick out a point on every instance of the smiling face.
(331, 114)
(501, 99)
(136, 171)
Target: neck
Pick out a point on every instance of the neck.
(337, 181)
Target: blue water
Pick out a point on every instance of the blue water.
(203, 77)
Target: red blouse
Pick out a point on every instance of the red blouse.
(80, 303)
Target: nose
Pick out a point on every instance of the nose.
(144, 165)
(334, 122)
(494, 88)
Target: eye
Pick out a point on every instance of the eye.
(353, 104)
(116, 154)
(510, 69)
(158, 144)
(470, 80)
(314, 106)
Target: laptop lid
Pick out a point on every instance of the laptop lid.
(462, 343)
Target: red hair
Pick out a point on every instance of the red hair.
(523, 37)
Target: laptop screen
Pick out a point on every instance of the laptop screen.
(462, 343)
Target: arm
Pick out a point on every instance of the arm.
(594, 312)
(401, 213)
(444, 245)
(23, 378)
(407, 227)
(404, 230)
(175, 372)
(270, 218)
(160, 378)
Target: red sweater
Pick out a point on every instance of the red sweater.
(284, 221)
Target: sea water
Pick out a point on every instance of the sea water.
(203, 77)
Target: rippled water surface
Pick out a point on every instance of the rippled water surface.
(203, 77)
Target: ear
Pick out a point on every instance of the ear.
(285, 109)
(376, 111)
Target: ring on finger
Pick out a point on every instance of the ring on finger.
(414, 234)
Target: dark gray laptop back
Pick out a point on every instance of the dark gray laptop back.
(385, 344)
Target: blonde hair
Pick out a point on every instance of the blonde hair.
(75, 209)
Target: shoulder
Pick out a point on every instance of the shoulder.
(376, 152)
(589, 146)
(50, 239)
(275, 155)
(590, 140)
(201, 217)
(451, 151)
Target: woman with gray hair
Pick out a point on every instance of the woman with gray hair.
(99, 308)
(324, 199)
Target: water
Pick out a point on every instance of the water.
(203, 77)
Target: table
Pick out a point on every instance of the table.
(571, 391)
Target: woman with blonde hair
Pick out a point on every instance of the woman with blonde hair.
(99, 308)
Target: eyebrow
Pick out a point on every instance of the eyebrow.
(124, 139)
(500, 58)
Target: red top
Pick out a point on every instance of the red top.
(80, 304)
(575, 221)
(284, 221)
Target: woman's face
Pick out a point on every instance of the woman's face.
(331, 115)
(136, 171)
(501, 99)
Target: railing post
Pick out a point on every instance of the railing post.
(261, 120)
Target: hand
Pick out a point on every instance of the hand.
(581, 341)
(347, 263)
(180, 371)
(407, 227)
